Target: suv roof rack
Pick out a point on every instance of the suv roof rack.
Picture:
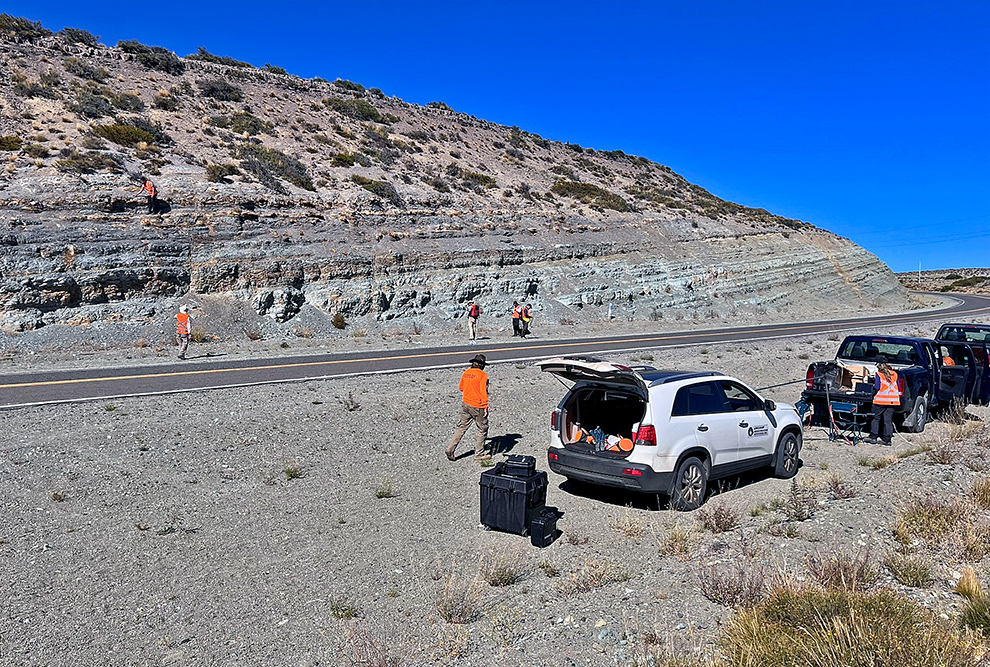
(663, 377)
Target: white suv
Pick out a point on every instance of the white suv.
(665, 432)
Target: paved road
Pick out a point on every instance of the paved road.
(104, 383)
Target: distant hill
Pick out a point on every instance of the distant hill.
(293, 193)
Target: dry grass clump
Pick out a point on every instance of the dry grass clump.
(502, 569)
(911, 571)
(969, 585)
(364, 648)
(839, 628)
(718, 518)
(944, 452)
(628, 525)
(801, 503)
(460, 601)
(844, 570)
(839, 489)
(739, 586)
(928, 518)
(593, 574)
(342, 608)
(980, 493)
(679, 542)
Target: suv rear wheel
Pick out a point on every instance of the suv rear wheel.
(690, 483)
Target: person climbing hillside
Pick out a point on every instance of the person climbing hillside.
(151, 192)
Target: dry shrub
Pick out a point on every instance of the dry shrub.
(502, 568)
(198, 334)
(718, 518)
(976, 615)
(364, 648)
(969, 585)
(839, 489)
(840, 628)
(800, 504)
(459, 601)
(141, 343)
(593, 574)
(739, 586)
(968, 431)
(972, 539)
(844, 570)
(628, 525)
(944, 452)
(910, 570)
(253, 333)
(980, 493)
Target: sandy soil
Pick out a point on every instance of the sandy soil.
(320, 524)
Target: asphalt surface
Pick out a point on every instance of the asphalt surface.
(26, 389)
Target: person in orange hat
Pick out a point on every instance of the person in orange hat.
(474, 408)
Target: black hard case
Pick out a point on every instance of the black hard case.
(520, 466)
(509, 502)
(543, 527)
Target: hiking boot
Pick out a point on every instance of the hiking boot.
(482, 457)
(871, 440)
(450, 455)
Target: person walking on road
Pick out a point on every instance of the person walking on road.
(516, 318)
(884, 402)
(183, 327)
(474, 408)
(527, 317)
(151, 192)
(474, 310)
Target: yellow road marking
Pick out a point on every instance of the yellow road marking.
(427, 355)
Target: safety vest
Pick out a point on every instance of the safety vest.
(887, 394)
(516, 312)
(150, 188)
(182, 324)
(474, 311)
(526, 315)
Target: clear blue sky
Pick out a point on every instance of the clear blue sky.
(870, 119)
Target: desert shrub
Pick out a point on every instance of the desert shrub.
(84, 70)
(844, 570)
(46, 86)
(36, 150)
(342, 160)
(418, 135)
(976, 615)
(219, 89)
(835, 627)
(590, 194)
(381, 189)
(17, 29)
(161, 138)
(217, 173)
(910, 570)
(91, 102)
(474, 178)
(593, 574)
(276, 70)
(10, 143)
(78, 36)
(741, 586)
(127, 102)
(460, 601)
(166, 102)
(344, 84)
(206, 56)
(153, 57)
(438, 105)
(928, 518)
(502, 569)
(89, 162)
(342, 608)
(969, 585)
(241, 122)
(125, 135)
(800, 504)
(269, 164)
(718, 518)
(357, 109)
(980, 493)
(678, 541)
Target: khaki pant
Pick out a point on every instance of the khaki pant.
(183, 344)
(473, 327)
(468, 414)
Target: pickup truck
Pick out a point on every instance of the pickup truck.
(925, 380)
(977, 339)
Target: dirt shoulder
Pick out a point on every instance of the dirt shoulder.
(320, 523)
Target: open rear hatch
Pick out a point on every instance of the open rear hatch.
(602, 416)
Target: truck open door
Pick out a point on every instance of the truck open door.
(956, 373)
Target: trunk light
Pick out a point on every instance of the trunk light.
(900, 386)
(646, 435)
(810, 378)
(632, 472)
(552, 456)
(553, 420)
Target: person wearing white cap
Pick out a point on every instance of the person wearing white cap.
(183, 325)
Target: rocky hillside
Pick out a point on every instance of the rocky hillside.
(291, 194)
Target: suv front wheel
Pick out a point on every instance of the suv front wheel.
(786, 460)
(690, 483)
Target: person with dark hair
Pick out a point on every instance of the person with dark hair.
(474, 310)
(516, 317)
(474, 408)
(151, 192)
(527, 317)
(885, 400)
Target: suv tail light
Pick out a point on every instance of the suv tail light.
(810, 378)
(900, 386)
(646, 435)
(553, 420)
(632, 472)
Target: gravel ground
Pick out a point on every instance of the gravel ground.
(320, 524)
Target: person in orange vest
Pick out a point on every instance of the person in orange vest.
(151, 192)
(884, 402)
(516, 317)
(474, 408)
(183, 326)
(474, 310)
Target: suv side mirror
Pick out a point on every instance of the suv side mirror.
(769, 406)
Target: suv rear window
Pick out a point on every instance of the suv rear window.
(703, 398)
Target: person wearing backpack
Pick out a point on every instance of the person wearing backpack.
(474, 310)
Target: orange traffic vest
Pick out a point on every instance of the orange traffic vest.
(526, 314)
(182, 324)
(516, 312)
(474, 387)
(887, 394)
(150, 188)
